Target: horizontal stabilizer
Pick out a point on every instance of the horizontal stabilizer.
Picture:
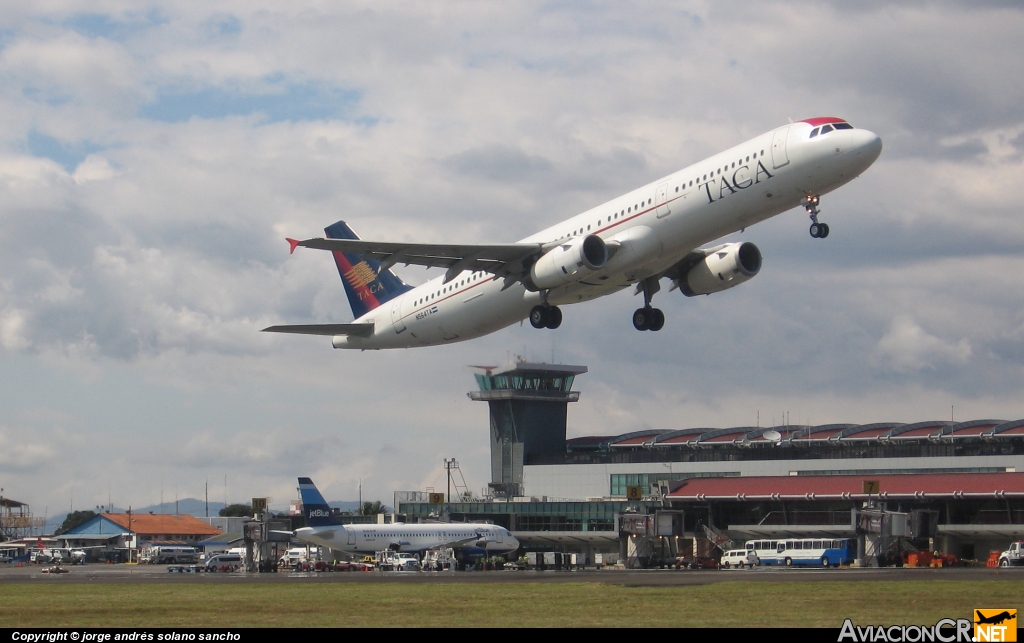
(353, 330)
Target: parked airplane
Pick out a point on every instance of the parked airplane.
(324, 529)
(638, 239)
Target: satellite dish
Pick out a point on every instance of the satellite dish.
(772, 435)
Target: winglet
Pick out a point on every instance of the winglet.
(293, 243)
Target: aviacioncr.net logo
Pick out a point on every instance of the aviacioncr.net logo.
(946, 630)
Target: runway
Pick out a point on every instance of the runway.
(633, 578)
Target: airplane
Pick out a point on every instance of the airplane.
(469, 540)
(653, 233)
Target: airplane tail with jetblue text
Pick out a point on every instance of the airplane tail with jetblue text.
(316, 509)
(366, 285)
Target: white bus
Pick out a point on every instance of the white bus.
(821, 552)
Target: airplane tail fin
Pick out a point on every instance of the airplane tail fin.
(315, 508)
(366, 285)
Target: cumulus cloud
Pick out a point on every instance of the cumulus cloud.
(20, 453)
(907, 347)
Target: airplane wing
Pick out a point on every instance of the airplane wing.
(502, 260)
(356, 330)
(465, 541)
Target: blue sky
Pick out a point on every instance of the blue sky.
(154, 156)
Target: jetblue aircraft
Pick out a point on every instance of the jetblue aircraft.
(637, 240)
(468, 539)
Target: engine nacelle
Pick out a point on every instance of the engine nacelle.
(568, 262)
(729, 266)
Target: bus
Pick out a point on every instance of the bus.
(821, 552)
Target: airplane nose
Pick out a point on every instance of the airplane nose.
(868, 145)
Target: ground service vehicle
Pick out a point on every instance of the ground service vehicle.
(738, 558)
(223, 563)
(390, 560)
(1013, 556)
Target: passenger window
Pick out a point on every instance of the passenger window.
(814, 132)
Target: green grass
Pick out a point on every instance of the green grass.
(731, 604)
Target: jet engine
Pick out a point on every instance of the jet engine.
(728, 266)
(568, 262)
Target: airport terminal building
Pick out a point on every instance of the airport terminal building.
(964, 481)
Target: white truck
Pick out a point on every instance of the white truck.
(1014, 556)
(393, 561)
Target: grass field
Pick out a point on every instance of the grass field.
(731, 604)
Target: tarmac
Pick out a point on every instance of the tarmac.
(98, 573)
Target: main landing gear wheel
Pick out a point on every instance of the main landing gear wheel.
(545, 317)
(648, 319)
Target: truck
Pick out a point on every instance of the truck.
(1014, 556)
(390, 560)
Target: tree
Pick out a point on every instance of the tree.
(239, 509)
(74, 519)
(372, 508)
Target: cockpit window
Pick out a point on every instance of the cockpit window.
(826, 129)
(844, 126)
(814, 132)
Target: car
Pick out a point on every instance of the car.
(223, 563)
(739, 558)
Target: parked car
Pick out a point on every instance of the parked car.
(223, 563)
(739, 558)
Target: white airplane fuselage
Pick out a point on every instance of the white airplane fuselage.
(409, 537)
(652, 229)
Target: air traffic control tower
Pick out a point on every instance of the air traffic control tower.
(528, 403)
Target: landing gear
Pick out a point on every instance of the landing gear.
(818, 230)
(545, 317)
(648, 318)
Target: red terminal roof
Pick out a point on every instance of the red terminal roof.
(977, 429)
(635, 440)
(728, 437)
(869, 433)
(992, 485)
(680, 439)
(822, 120)
(921, 431)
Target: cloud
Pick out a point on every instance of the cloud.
(907, 347)
(21, 455)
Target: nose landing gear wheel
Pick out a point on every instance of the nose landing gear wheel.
(818, 230)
